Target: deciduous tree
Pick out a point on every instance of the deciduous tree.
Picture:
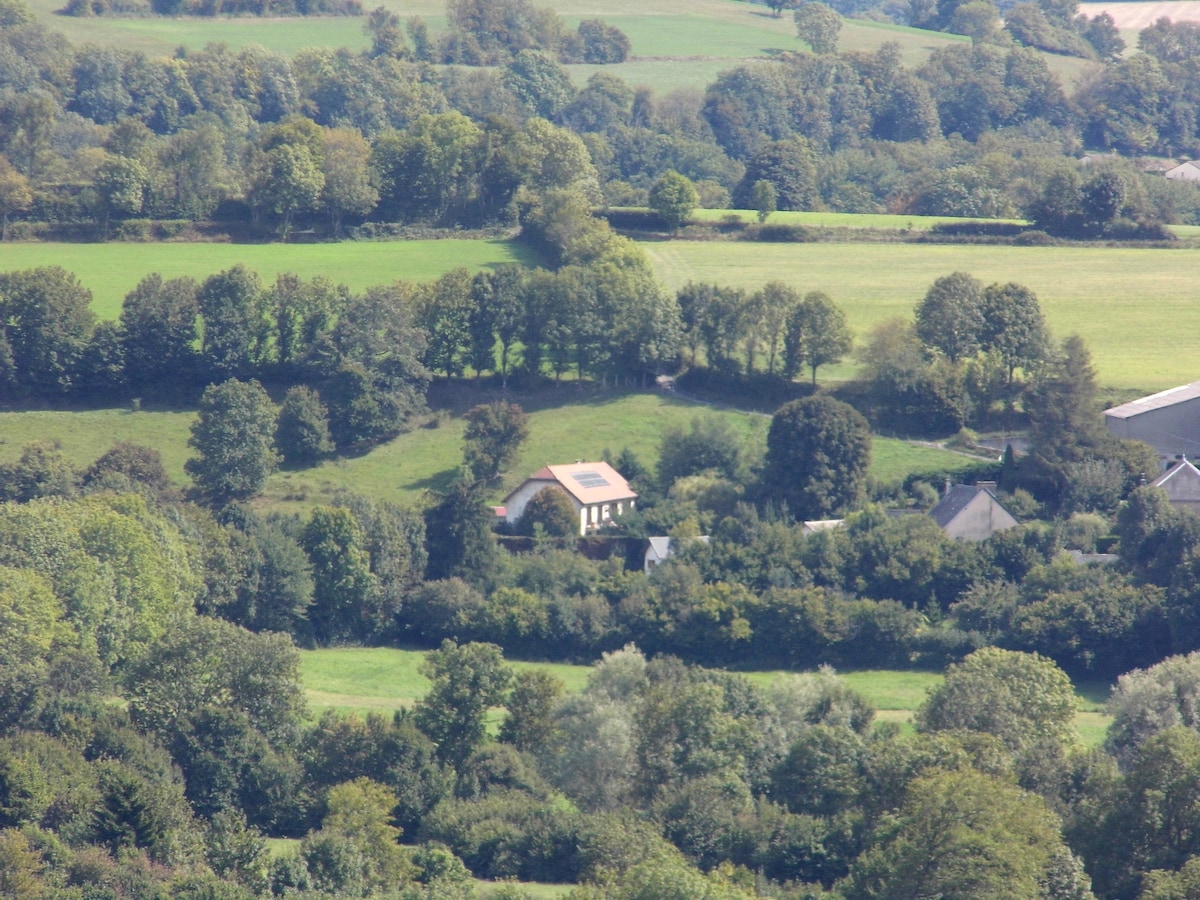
(818, 25)
(950, 317)
(672, 199)
(818, 450)
(960, 834)
(493, 437)
(817, 334)
(467, 681)
(234, 441)
(1021, 698)
(302, 429)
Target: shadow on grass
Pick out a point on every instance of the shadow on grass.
(437, 482)
(459, 396)
(1094, 694)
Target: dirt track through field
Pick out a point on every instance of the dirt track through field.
(1142, 15)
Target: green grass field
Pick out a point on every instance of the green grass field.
(382, 679)
(1136, 308)
(385, 680)
(1117, 298)
(565, 423)
(661, 32)
(833, 219)
(111, 271)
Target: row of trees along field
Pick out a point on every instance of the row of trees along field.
(108, 138)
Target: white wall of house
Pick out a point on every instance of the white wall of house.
(979, 519)
(514, 508)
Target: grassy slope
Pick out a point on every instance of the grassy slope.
(1118, 299)
(658, 29)
(427, 457)
(676, 43)
(384, 680)
(110, 271)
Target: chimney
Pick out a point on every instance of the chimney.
(946, 488)
(986, 485)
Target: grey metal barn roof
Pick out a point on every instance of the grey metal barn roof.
(1161, 400)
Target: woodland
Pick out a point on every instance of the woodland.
(154, 737)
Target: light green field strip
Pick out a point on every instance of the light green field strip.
(83, 435)
(111, 271)
(1138, 309)
(567, 426)
(386, 679)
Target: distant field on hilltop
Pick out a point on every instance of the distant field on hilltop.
(1136, 308)
(675, 43)
(1136, 15)
(111, 271)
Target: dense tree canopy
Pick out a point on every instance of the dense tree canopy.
(818, 449)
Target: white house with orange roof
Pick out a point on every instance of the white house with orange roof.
(596, 490)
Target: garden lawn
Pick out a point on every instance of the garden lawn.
(385, 679)
(1135, 308)
(112, 270)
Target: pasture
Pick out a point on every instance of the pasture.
(567, 422)
(1136, 308)
(663, 34)
(110, 271)
(384, 680)
(1117, 298)
(675, 43)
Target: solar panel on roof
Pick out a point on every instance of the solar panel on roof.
(590, 479)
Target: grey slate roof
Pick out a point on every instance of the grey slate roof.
(954, 502)
(1181, 482)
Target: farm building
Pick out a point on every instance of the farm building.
(1188, 171)
(971, 512)
(1169, 421)
(596, 490)
(1181, 483)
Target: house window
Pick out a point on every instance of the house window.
(605, 515)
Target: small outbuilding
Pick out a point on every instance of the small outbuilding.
(1181, 483)
(1168, 421)
(971, 512)
(660, 549)
(595, 489)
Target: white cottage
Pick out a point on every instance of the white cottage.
(596, 490)
(1182, 485)
(971, 512)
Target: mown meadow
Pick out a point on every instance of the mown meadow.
(1135, 307)
(675, 43)
(382, 679)
(1119, 299)
(110, 271)
(567, 422)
